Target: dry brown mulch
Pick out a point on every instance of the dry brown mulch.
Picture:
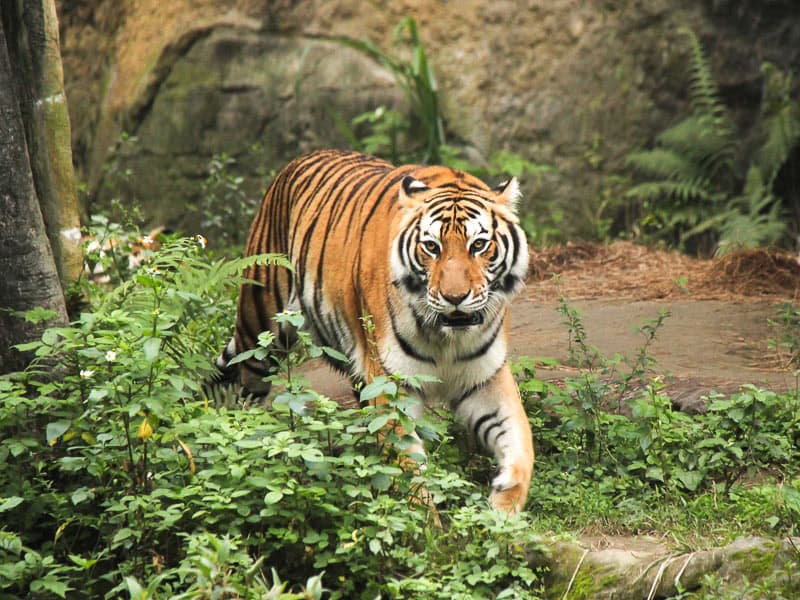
(586, 270)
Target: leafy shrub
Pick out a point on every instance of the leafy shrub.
(121, 476)
(418, 82)
(226, 206)
(610, 446)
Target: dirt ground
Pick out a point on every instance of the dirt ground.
(716, 337)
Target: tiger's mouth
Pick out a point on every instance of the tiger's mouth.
(460, 319)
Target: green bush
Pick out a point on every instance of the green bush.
(122, 477)
(610, 445)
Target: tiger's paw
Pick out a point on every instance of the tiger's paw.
(510, 489)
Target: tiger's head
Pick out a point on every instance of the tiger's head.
(458, 252)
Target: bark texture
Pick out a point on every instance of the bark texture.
(28, 275)
(32, 40)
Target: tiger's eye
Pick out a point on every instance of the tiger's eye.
(478, 245)
(431, 247)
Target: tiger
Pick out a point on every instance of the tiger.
(432, 255)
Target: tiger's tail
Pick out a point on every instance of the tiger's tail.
(226, 373)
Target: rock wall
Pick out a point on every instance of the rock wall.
(572, 83)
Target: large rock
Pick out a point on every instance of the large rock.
(234, 89)
(574, 85)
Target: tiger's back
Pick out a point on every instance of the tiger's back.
(324, 211)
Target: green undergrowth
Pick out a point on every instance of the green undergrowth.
(614, 455)
(123, 478)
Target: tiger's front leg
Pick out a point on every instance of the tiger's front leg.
(496, 419)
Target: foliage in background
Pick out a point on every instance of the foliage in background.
(122, 477)
(693, 196)
(787, 326)
(418, 82)
(226, 209)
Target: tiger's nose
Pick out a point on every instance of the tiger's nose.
(454, 299)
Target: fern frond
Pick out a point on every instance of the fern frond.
(663, 163)
(704, 141)
(746, 231)
(756, 218)
(684, 191)
(703, 91)
(708, 224)
(780, 122)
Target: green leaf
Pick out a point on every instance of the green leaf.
(378, 422)
(55, 430)
(83, 563)
(59, 588)
(655, 473)
(81, 495)
(375, 545)
(690, 479)
(334, 354)
(381, 386)
(97, 394)
(312, 455)
(135, 589)
(273, 497)
(28, 346)
(242, 356)
(381, 482)
(151, 348)
(10, 503)
(122, 535)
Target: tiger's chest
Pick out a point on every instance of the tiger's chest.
(460, 360)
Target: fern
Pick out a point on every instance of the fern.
(703, 90)
(691, 188)
(780, 119)
(684, 191)
(701, 141)
(755, 216)
(664, 163)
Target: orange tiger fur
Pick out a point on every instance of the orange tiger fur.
(432, 254)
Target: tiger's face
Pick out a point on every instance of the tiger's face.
(459, 254)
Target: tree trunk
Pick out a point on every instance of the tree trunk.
(28, 275)
(33, 44)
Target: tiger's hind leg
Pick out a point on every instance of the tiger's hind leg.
(252, 373)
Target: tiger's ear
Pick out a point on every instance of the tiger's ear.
(508, 193)
(410, 189)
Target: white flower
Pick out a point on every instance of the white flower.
(201, 240)
(86, 373)
(147, 241)
(111, 356)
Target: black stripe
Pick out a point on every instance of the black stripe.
(405, 346)
(255, 366)
(476, 429)
(494, 425)
(485, 347)
(458, 401)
